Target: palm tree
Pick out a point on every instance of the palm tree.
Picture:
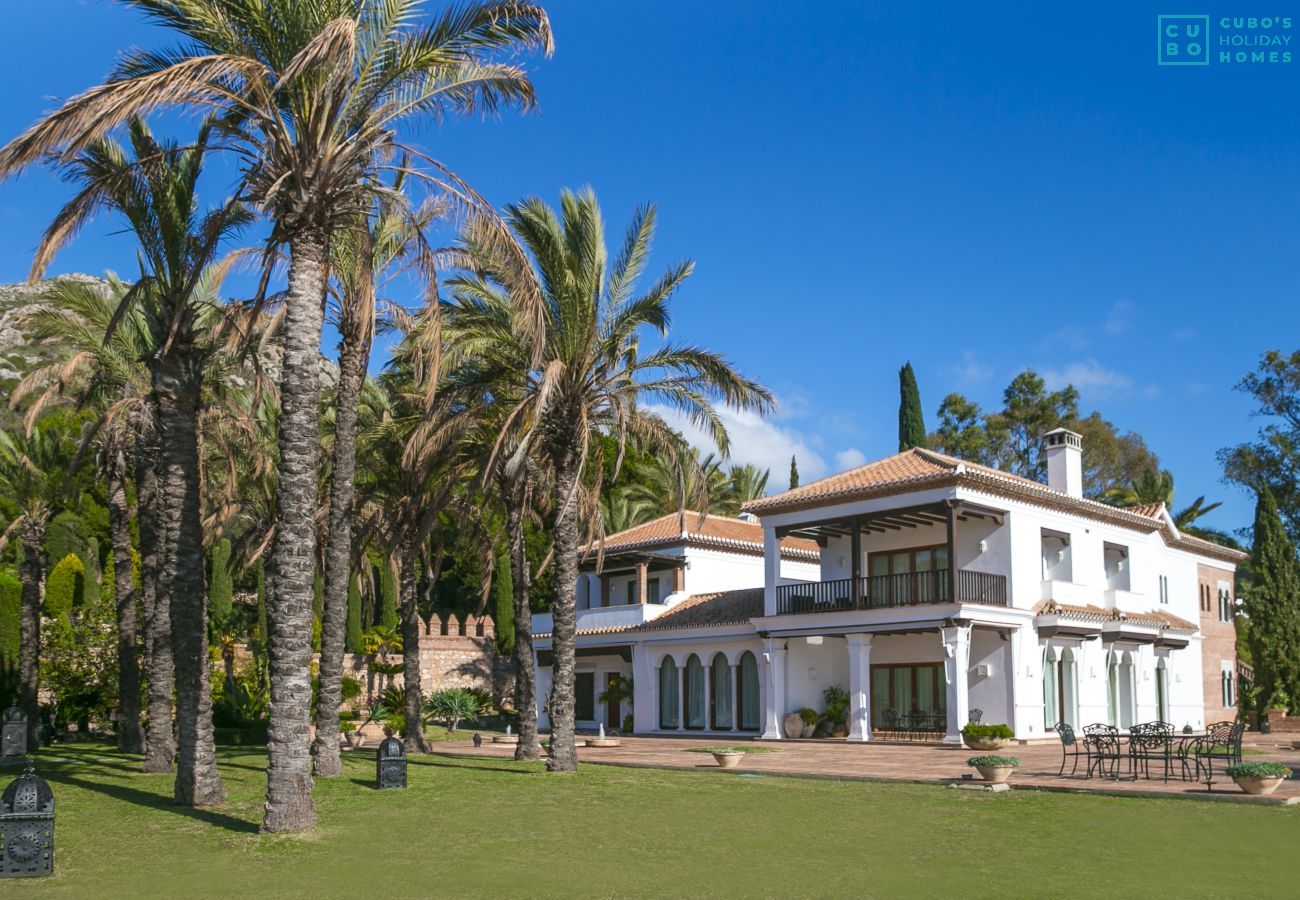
(109, 377)
(309, 94)
(154, 189)
(589, 379)
(744, 483)
(34, 478)
(1158, 487)
(364, 259)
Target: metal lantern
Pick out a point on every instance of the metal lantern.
(13, 733)
(27, 827)
(390, 764)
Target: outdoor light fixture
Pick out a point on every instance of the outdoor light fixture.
(984, 545)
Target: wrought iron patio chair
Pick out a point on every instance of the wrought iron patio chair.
(1070, 746)
(1149, 741)
(1104, 749)
(890, 723)
(976, 715)
(1217, 744)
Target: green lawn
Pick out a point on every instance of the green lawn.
(493, 828)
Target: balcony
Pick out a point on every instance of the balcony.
(891, 591)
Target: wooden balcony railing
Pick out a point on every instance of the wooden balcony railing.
(887, 591)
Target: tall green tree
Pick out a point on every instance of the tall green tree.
(590, 378)
(1272, 603)
(503, 604)
(34, 483)
(794, 473)
(911, 421)
(221, 586)
(1272, 459)
(310, 96)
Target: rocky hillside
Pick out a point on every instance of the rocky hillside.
(18, 355)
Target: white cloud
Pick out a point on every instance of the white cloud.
(850, 458)
(1120, 318)
(972, 369)
(754, 440)
(1089, 376)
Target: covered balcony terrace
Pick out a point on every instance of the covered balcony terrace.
(912, 562)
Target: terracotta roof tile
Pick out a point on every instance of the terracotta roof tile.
(688, 527)
(919, 468)
(1154, 617)
(708, 610)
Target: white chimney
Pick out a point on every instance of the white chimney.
(1064, 451)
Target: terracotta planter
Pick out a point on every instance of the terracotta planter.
(505, 738)
(729, 760)
(809, 730)
(995, 774)
(1258, 785)
(792, 725)
(985, 743)
(603, 742)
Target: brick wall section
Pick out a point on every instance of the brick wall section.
(1219, 641)
(452, 662)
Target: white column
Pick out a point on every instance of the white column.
(859, 687)
(645, 690)
(956, 663)
(735, 697)
(774, 684)
(1014, 673)
(708, 697)
(771, 570)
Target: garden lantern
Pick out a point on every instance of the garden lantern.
(13, 734)
(27, 827)
(390, 764)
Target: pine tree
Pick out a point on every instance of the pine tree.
(352, 634)
(794, 474)
(503, 588)
(911, 422)
(221, 587)
(1273, 605)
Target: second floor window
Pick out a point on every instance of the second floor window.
(1225, 604)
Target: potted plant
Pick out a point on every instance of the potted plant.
(1258, 777)
(809, 717)
(986, 737)
(994, 769)
(727, 757)
(837, 710)
(1276, 709)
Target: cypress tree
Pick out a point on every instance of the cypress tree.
(221, 587)
(1273, 605)
(503, 589)
(387, 595)
(263, 633)
(352, 634)
(794, 474)
(11, 590)
(911, 423)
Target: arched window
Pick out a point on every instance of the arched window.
(720, 671)
(1051, 715)
(747, 691)
(669, 692)
(694, 692)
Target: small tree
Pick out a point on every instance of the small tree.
(11, 593)
(911, 422)
(387, 595)
(794, 473)
(453, 706)
(352, 635)
(221, 588)
(65, 587)
(1273, 605)
(503, 595)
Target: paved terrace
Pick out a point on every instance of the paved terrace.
(881, 761)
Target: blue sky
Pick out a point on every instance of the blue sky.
(978, 188)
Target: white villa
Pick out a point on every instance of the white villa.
(927, 588)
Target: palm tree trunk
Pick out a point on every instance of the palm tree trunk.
(32, 575)
(160, 739)
(184, 584)
(289, 804)
(517, 492)
(564, 756)
(354, 353)
(130, 737)
(413, 711)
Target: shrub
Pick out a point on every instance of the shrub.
(221, 588)
(990, 760)
(352, 634)
(986, 732)
(65, 587)
(352, 688)
(809, 716)
(453, 706)
(1258, 770)
(503, 613)
(387, 596)
(837, 705)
